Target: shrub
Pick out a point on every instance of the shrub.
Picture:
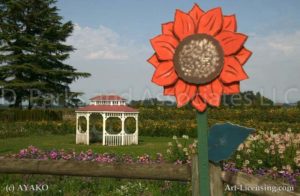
(13, 115)
(20, 129)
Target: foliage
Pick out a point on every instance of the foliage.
(266, 149)
(151, 145)
(131, 189)
(167, 121)
(271, 114)
(32, 51)
(21, 129)
(160, 121)
(151, 103)
(248, 98)
(71, 185)
(32, 152)
(263, 153)
(243, 99)
(180, 151)
(13, 115)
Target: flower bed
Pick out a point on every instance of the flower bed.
(31, 152)
(264, 154)
(276, 156)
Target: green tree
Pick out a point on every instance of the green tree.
(247, 98)
(33, 49)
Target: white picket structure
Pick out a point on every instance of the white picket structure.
(108, 107)
(116, 139)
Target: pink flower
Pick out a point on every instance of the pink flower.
(53, 155)
(23, 152)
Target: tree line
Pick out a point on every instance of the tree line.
(33, 51)
(247, 98)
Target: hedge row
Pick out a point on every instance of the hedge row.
(162, 121)
(146, 127)
(272, 114)
(188, 127)
(23, 129)
(13, 115)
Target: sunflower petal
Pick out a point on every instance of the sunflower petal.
(169, 90)
(164, 46)
(199, 104)
(167, 28)
(196, 13)
(183, 25)
(243, 55)
(212, 92)
(231, 42)
(211, 22)
(232, 88)
(229, 23)
(165, 74)
(184, 92)
(232, 71)
(153, 60)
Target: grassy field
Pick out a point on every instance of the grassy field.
(147, 145)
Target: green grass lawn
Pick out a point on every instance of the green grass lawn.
(147, 145)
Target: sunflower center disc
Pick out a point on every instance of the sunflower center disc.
(199, 59)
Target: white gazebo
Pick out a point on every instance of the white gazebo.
(107, 106)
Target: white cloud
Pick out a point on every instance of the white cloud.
(106, 54)
(99, 43)
(286, 43)
(116, 63)
(281, 43)
(274, 66)
(281, 46)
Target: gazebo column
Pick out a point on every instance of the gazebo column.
(77, 128)
(104, 129)
(136, 128)
(123, 128)
(87, 116)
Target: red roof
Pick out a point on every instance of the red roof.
(108, 108)
(107, 98)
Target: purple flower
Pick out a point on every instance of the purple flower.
(32, 149)
(53, 155)
(23, 153)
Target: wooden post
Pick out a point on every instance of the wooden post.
(216, 183)
(203, 169)
(195, 176)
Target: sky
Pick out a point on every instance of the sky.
(112, 43)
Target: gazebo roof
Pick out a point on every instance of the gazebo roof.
(107, 108)
(107, 98)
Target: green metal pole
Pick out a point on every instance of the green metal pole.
(203, 167)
